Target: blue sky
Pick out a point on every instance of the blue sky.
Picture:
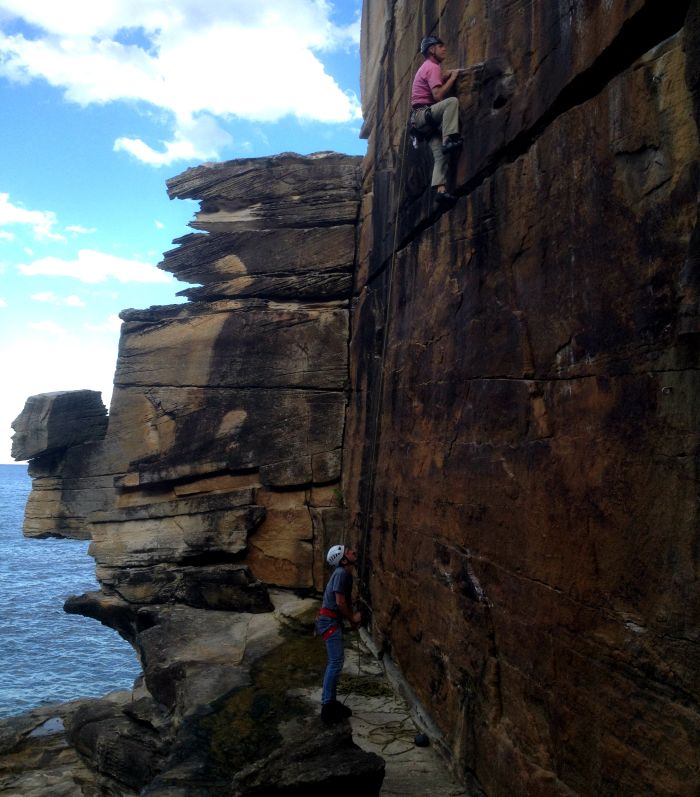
(100, 103)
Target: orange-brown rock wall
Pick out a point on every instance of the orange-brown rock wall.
(522, 445)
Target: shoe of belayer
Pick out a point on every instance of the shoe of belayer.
(342, 709)
(334, 712)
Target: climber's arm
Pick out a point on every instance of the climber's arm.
(443, 90)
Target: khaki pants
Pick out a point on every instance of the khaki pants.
(445, 116)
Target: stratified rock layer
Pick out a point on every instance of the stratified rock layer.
(225, 430)
(52, 422)
(218, 473)
(520, 459)
(48, 427)
(522, 442)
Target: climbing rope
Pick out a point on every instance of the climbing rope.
(368, 510)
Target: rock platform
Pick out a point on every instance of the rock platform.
(122, 745)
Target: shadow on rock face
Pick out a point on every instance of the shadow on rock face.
(262, 739)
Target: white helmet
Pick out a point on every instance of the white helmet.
(335, 554)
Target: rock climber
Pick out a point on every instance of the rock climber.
(336, 607)
(435, 114)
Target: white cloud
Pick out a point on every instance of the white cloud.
(44, 296)
(112, 324)
(78, 229)
(6, 236)
(198, 139)
(198, 62)
(93, 267)
(50, 327)
(42, 222)
(51, 298)
(159, 225)
(3, 302)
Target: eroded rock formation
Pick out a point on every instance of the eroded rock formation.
(521, 457)
(225, 428)
(217, 475)
(50, 425)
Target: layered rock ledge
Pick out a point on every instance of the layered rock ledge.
(215, 478)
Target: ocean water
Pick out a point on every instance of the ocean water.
(46, 655)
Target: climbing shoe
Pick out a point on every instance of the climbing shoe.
(330, 714)
(445, 198)
(451, 144)
(342, 709)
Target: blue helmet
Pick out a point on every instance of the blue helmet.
(428, 42)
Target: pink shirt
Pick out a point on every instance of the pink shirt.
(428, 77)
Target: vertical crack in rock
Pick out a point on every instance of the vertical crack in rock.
(540, 403)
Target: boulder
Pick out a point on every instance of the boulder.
(126, 743)
(52, 422)
(313, 761)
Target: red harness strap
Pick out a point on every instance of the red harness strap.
(328, 633)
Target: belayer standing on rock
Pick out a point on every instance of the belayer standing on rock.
(336, 607)
(435, 114)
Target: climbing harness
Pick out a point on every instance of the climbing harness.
(328, 633)
(421, 126)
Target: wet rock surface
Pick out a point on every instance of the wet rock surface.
(262, 737)
(37, 759)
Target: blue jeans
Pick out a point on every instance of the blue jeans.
(336, 655)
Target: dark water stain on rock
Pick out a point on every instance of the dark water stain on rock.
(245, 724)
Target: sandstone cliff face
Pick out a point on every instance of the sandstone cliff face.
(522, 443)
(216, 476)
(520, 454)
(222, 453)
